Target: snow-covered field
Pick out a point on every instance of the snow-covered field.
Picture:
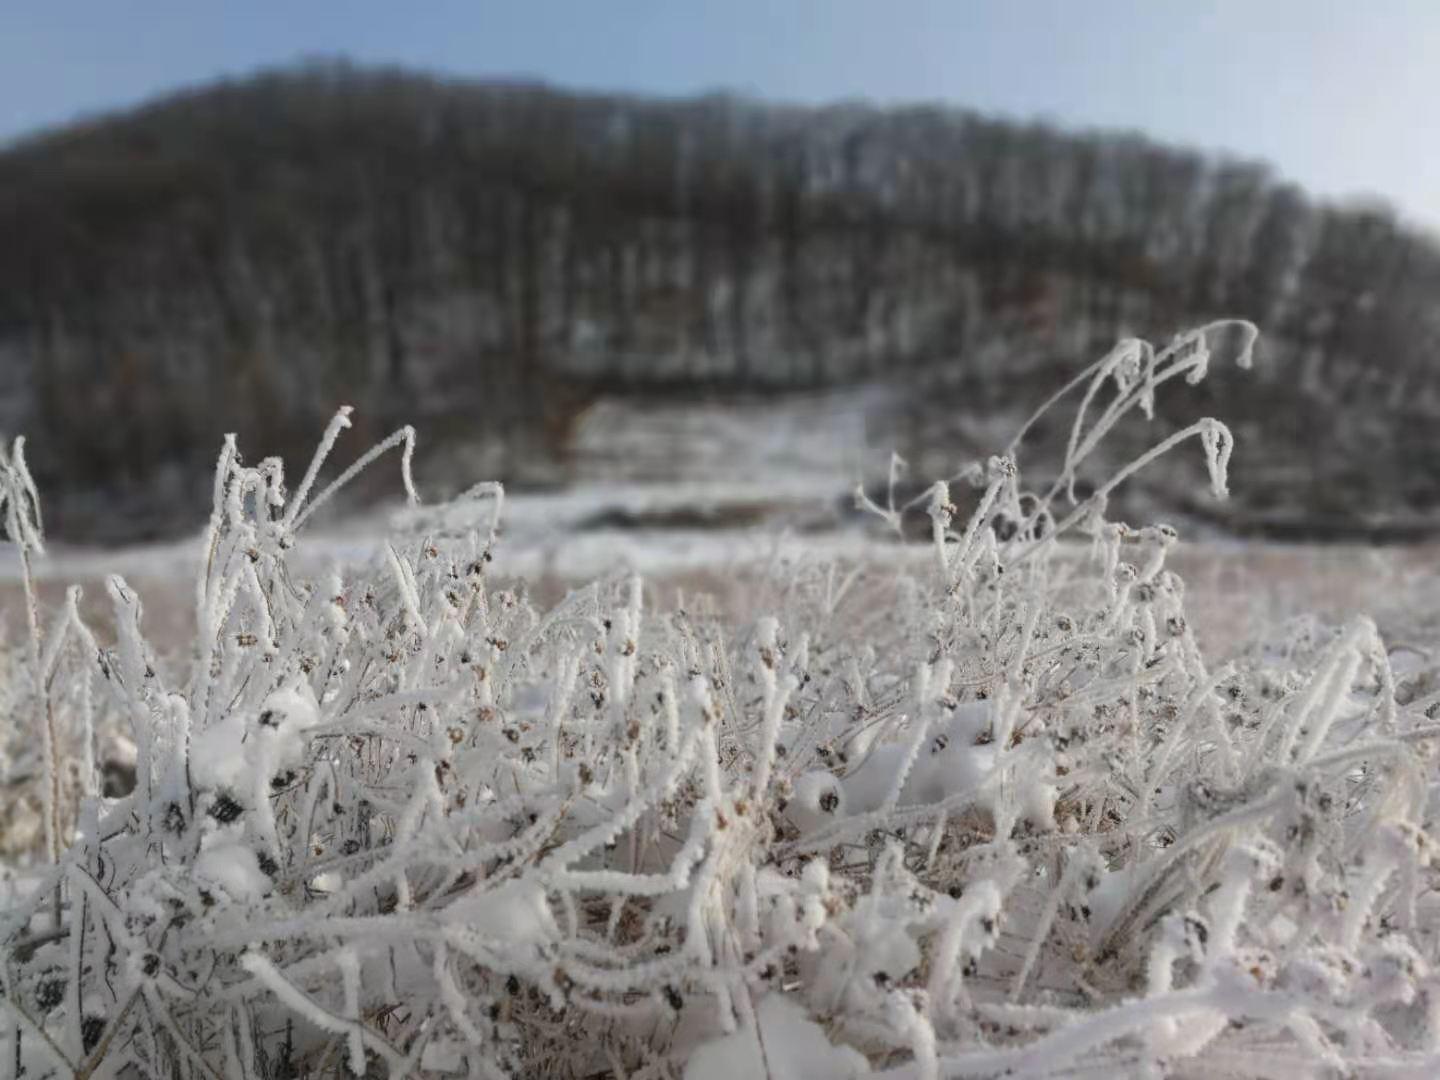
(1044, 796)
(1237, 591)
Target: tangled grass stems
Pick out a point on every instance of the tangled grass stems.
(994, 817)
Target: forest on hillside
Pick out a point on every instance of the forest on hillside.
(490, 257)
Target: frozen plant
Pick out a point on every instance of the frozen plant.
(995, 818)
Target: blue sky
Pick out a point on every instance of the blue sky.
(1338, 95)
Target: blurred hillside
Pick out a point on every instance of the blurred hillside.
(489, 261)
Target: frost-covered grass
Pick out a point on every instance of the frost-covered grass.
(994, 816)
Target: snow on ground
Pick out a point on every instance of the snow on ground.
(697, 494)
(840, 433)
(706, 534)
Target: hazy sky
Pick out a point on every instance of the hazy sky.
(1341, 96)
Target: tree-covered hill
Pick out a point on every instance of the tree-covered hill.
(484, 258)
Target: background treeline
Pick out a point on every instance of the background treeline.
(483, 259)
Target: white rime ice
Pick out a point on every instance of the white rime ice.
(997, 816)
